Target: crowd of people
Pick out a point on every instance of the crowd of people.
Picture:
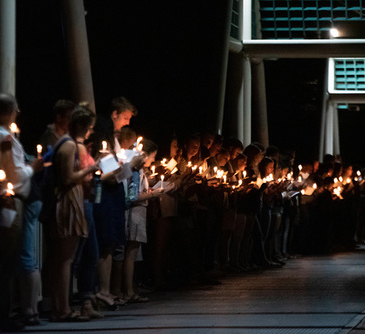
(121, 215)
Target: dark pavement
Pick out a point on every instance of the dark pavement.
(319, 294)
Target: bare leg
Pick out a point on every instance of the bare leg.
(128, 268)
(104, 269)
(66, 249)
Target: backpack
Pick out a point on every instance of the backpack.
(48, 184)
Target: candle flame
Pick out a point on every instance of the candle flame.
(200, 169)
(314, 185)
(239, 182)
(153, 168)
(189, 164)
(104, 145)
(300, 167)
(39, 148)
(2, 175)
(244, 173)
(162, 177)
(98, 172)
(9, 189)
(139, 139)
(340, 179)
(14, 128)
(358, 173)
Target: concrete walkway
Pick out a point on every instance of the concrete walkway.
(322, 294)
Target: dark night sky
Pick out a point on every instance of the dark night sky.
(164, 57)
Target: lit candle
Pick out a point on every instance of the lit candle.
(162, 178)
(335, 180)
(2, 175)
(98, 172)
(314, 185)
(104, 145)
(139, 139)
(299, 179)
(140, 147)
(39, 151)
(189, 164)
(153, 168)
(194, 167)
(340, 179)
(200, 169)
(9, 190)
(356, 179)
(358, 173)
(302, 192)
(244, 173)
(224, 178)
(288, 176)
(300, 167)
(239, 182)
(348, 180)
(14, 128)
(215, 169)
(233, 187)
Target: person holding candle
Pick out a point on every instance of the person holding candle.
(109, 214)
(19, 173)
(68, 224)
(136, 222)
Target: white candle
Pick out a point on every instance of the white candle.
(139, 139)
(104, 145)
(239, 182)
(244, 173)
(9, 190)
(200, 169)
(189, 164)
(162, 178)
(340, 179)
(153, 168)
(299, 179)
(140, 147)
(194, 167)
(224, 178)
(14, 128)
(2, 175)
(39, 151)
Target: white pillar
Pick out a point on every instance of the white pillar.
(247, 20)
(78, 51)
(7, 46)
(224, 67)
(259, 108)
(247, 82)
(336, 132)
(329, 129)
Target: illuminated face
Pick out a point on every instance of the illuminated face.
(222, 159)
(121, 119)
(269, 168)
(149, 159)
(241, 164)
(192, 147)
(235, 152)
(173, 148)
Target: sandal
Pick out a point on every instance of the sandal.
(73, 316)
(137, 299)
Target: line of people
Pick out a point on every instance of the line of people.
(120, 220)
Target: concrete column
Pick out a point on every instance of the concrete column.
(78, 51)
(7, 46)
(259, 107)
(224, 66)
(329, 129)
(336, 131)
(247, 101)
